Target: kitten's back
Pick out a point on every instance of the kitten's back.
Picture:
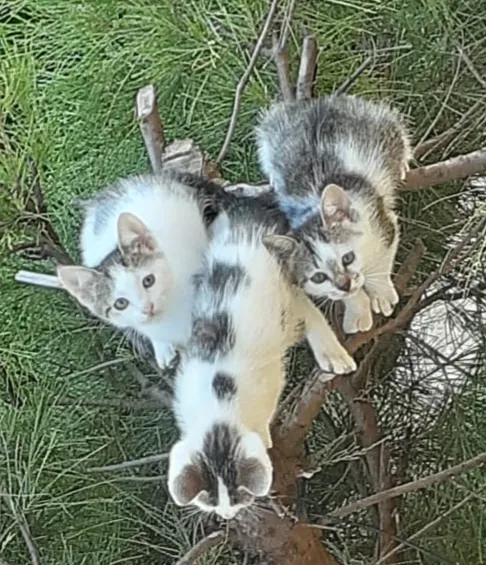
(303, 145)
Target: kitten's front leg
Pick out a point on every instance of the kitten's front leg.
(328, 351)
(357, 313)
(164, 353)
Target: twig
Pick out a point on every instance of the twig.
(244, 80)
(24, 529)
(406, 488)
(130, 464)
(471, 67)
(446, 171)
(348, 83)
(426, 147)
(281, 59)
(307, 68)
(425, 529)
(38, 279)
(151, 125)
(211, 540)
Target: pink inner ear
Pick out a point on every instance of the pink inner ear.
(335, 204)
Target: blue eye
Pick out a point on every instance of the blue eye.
(348, 258)
(120, 303)
(148, 281)
(319, 277)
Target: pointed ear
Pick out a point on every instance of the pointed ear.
(186, 478)
(335, 205)
(134, 236)
(281, 247)
(80, 282)
(255, 471)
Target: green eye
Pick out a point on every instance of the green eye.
(148, 281)
(120, 304)
(319, 277)
(348, 258)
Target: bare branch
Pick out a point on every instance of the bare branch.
(151, 125)
(307, 68)
(149, 459)
(471, 67)
(348, 83)
(38, 279)
(281, 58)
(406, 488)
(244, 80)
(446, 171)
(211, 540)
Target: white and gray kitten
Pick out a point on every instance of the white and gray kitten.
(142, 242)
(246, 314)
(335, 164)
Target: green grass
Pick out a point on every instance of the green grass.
(69, 74)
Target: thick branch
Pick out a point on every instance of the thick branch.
(281, 59)
(307, 69)
(406, 488)
(446, 171)
(244, 80)
(211, 540)
(151, 125)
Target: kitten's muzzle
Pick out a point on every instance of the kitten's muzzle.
(344, 284)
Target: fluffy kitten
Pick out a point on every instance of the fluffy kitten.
(246, 314)
(142, 242)
(335, 163)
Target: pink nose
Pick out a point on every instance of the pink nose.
(149, 310)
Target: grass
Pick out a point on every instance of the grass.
(68, 74)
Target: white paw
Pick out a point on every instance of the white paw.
(355, 321)
(164, 354)
(339, 362)
(385, 301)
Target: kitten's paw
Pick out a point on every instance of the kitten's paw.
(339, 362)
(404, 171)
(385, 302)
(355, 321)
(164, 355)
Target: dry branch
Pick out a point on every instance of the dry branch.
(406, 488)
(151, 125)
(211, 540)
(281, 59)
(244, 80)
(455, 168)
(307, 69)
(348, 83)
(24, 529)
(130, 464)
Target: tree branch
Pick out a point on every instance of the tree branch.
(307, 68)
(151, 125)
(211, 540)
(244, 80)
(406, 488)
(281, 59)
(348, 83)
(453, 169)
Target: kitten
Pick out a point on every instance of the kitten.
(246, 314)
(335, 164)
(142, 242)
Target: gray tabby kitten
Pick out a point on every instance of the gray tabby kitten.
(335, 164)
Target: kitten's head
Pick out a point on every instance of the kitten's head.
(132, 286)
(226, 475)
(325, 257)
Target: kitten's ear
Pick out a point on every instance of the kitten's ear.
(134, 236)
(281, 247)
(335, 205)
(80, 282)
(186, 479)
(255, 471)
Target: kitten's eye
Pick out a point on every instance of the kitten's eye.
(120, 303)
(319, 277)
(148, 281)
(348, 258)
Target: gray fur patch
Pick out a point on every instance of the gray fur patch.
(212, 336)
(224, 386)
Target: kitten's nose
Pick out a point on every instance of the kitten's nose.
(344, 284)
(149, 310)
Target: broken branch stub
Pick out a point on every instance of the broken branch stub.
(151, 125)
